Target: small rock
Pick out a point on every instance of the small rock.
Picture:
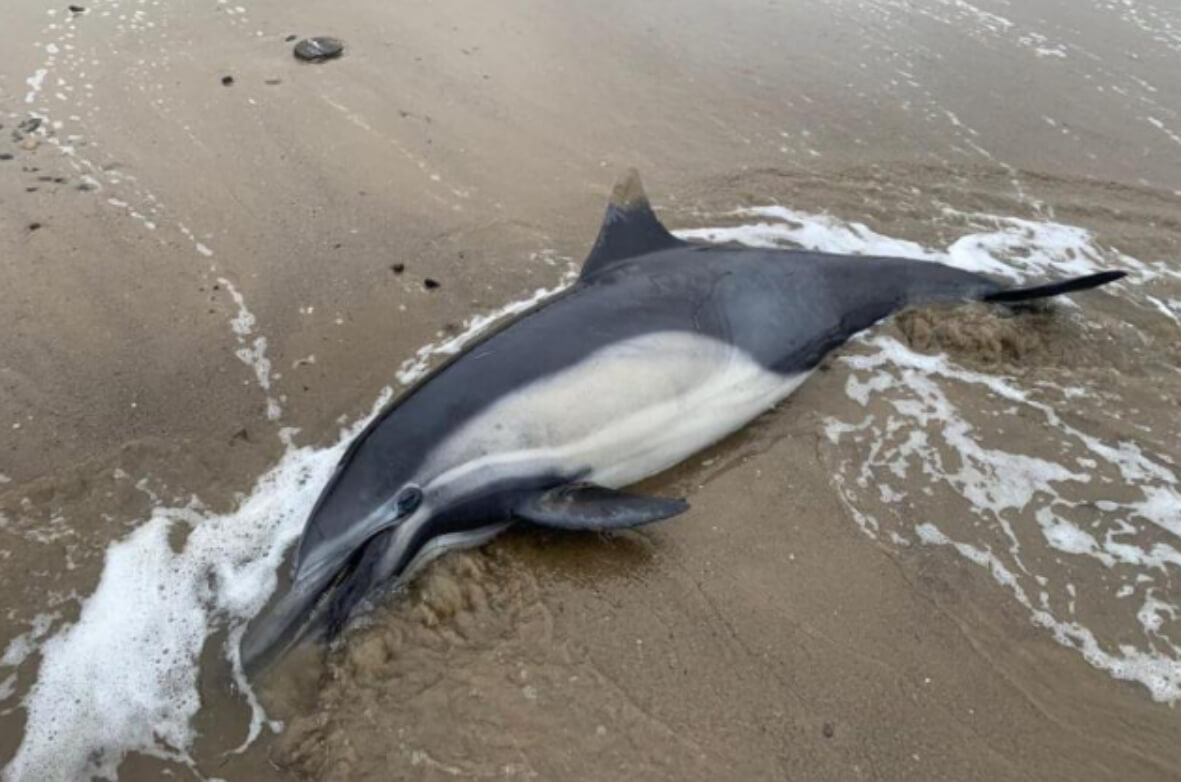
(34, 226)
(290, 38)
(29, 144)
(76, 9)
(5, 156)
(226, 81)
(273, 82)
(828, 730)
(86, 187)
(430, 284)
(319, 49)
(398, 268)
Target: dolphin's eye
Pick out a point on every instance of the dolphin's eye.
(408, 500)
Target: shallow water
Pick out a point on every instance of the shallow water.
(949, 555)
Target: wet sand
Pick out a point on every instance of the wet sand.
(765, 634)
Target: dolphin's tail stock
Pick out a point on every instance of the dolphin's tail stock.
(1018, 295)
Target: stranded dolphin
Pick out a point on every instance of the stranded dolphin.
(660, 349)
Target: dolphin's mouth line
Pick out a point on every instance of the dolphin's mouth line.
(354, 582)
(316, 609)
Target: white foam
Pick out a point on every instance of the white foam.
(1159, 673)
(1010, 247)
(1065, 536)
(35, 82)
(810, 231)
(252, 353)
(20, 647)
(124, 676)
(998, 483)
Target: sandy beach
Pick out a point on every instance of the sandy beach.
(949, 556)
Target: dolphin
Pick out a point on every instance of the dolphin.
(658, 350)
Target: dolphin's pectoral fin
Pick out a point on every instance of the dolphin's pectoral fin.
(588, 506)
(629, 229)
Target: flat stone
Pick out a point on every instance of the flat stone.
(319, 48)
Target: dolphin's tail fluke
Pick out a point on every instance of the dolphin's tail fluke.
(1086, 282)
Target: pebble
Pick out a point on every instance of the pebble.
(76, 9)
(319, 49)
(30, 125)
(34, 226)
(398, 268)
(430, 284)
(5, 156)
(227, 80)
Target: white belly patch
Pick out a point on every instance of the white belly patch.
(626, 412)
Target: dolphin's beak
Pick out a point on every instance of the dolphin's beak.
(284, 622)
(318, 601)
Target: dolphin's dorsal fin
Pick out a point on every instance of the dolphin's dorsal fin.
(629, 229)
(588, 506)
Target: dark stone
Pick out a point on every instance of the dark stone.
(227, 80)
(319, 49)
(86, 187)
(34, 226)
(828, 730)
(5, 156)
(290, 38)
(398, 268)
(76, 9)
(430, 284)
(30, 190)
